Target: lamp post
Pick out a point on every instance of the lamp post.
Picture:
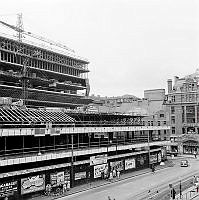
(148, 141)
(180, 190)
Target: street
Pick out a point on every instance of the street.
(138, 187)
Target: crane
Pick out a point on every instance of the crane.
(21, 32)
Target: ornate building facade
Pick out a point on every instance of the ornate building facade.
(182, 106)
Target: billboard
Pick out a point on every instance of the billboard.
(153, 158)
(80, 175)
(118, 165)
(32, 184)
(129, 163)
(58, 178)
(98, 159)
(8, 188)
(98, 169)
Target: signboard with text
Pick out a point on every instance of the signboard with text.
(8, 188)
(98, 169)
(33, 184)
(129, 163)
(80, 175)
(118, 165)
(98, 159)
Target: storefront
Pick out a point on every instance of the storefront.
(190, 147)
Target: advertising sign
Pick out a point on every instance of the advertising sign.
(98, 159)
(153, 158)
(129, 163)
(98, 169)
(32, 184)
(118, 165)
(141, 159)
(8, 188)
(80, 175)
(57, 178)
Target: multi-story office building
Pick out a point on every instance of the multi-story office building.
(182, 106)
(42, 146)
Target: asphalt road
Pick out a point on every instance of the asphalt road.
(137, 188)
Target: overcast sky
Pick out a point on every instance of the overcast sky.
(132, 45)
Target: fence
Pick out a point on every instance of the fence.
(190, 194)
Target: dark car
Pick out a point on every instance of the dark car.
(184, 163)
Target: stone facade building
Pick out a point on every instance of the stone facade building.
(182, 106)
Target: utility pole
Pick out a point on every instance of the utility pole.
(149, 147)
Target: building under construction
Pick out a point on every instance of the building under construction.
(41, 77)
(41, 147)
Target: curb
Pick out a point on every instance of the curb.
(109, 182)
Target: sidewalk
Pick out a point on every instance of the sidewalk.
(100, 183)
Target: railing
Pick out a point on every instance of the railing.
(23, 152)
(189, 195)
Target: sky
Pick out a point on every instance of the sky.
(132, 45)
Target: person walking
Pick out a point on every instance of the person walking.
(114, 173)
(111, 176)
(118, 174)
(153, 168)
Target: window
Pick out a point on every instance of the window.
(165, 132)
(161, 115)
(173, 130)
(172, 119)
(158, 132)
(172, 110)
(158, 123)
(164, 122)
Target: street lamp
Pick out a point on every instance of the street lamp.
(180, 190)
(148, 147)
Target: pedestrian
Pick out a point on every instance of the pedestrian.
(153, 168)
(118, 174)
(64, 188)
(114, 173)
(195, 154)
(111, 176)
(102, 175)
(194, 180)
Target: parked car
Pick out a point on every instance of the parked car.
(184, 163)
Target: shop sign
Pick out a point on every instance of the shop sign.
(57, 178)
(32, 184)
(98, 159)
(129, 163)
(153, 158)
(98, 169)
(118, 165)
(8, 188)
(80, 175)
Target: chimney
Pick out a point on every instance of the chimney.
(169, 84)
(175, 79)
